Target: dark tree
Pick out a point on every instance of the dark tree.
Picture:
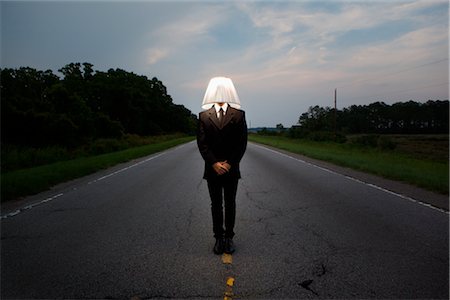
(378, 117)
(40, 109)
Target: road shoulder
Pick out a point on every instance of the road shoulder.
(407, 190)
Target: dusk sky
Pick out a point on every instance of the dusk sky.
(283, 56)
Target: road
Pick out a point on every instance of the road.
(143, 230)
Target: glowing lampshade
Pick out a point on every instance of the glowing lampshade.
(221, 89)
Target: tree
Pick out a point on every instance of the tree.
(280, 127)
(317, 118)
(378, 117)
(39, 108)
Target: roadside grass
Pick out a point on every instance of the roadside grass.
(30, 181)
(431, 147)
(423, 172)
(23, 157)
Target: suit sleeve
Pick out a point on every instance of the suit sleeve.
(202, 144)
(241, 141)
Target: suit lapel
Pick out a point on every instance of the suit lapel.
(213, 116)
(228, 116)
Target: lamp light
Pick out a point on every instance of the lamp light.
(221, 89)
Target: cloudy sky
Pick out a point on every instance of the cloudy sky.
(283, 56)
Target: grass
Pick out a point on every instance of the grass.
(431, 174)
(16, 157)
(37, 179)
(430, 147)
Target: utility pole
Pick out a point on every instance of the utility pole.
(335, 112)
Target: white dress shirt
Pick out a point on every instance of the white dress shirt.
(218, 107)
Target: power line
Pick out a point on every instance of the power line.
(403, 91)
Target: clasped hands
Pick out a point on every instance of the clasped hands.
(221, 167)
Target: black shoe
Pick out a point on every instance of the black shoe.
(229, 246)
(218, 247)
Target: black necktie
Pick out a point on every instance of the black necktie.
(221, 115)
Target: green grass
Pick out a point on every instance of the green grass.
(16, 157)
(33, 180)
(426, 173)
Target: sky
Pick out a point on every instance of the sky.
(283, 56)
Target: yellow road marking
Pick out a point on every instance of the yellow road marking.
(227, 259)
(228, 295)
(230, 281)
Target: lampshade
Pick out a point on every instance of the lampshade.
(221, 89)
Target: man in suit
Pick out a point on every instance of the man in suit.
(222, 141)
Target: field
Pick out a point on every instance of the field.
(428, 147)
(421, 160)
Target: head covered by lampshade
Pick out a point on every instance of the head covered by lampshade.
(221, 90)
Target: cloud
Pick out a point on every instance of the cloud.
(300, 53)
(296, 42)
(308, 37)
(177, 35)
(156, 54)
(273, 50)
(412, 48)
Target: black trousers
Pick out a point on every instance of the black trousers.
(222, 189)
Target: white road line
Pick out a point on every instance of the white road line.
(30, 206)
(27, 207)
(356, 180)
(126, 168)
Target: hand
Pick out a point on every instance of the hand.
(221, 167)
(226, 165)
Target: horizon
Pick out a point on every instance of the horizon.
(283, 57)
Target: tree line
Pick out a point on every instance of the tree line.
(39, 108)
(409, 117)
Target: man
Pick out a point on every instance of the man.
(222, 140)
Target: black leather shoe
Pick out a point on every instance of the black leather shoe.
(218, 247)
(229, 246)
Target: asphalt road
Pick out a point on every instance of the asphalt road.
(143, 230)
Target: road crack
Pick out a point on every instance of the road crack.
(306, 285)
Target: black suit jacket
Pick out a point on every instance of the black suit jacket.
(219, 143)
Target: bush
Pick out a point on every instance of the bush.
(269, 132)
(16, 157)
(102, 146)
(374, 141)
(297, 133)
(369, 140)
(326, 136)
(19, 157)
(319, 136)
(386, 143)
